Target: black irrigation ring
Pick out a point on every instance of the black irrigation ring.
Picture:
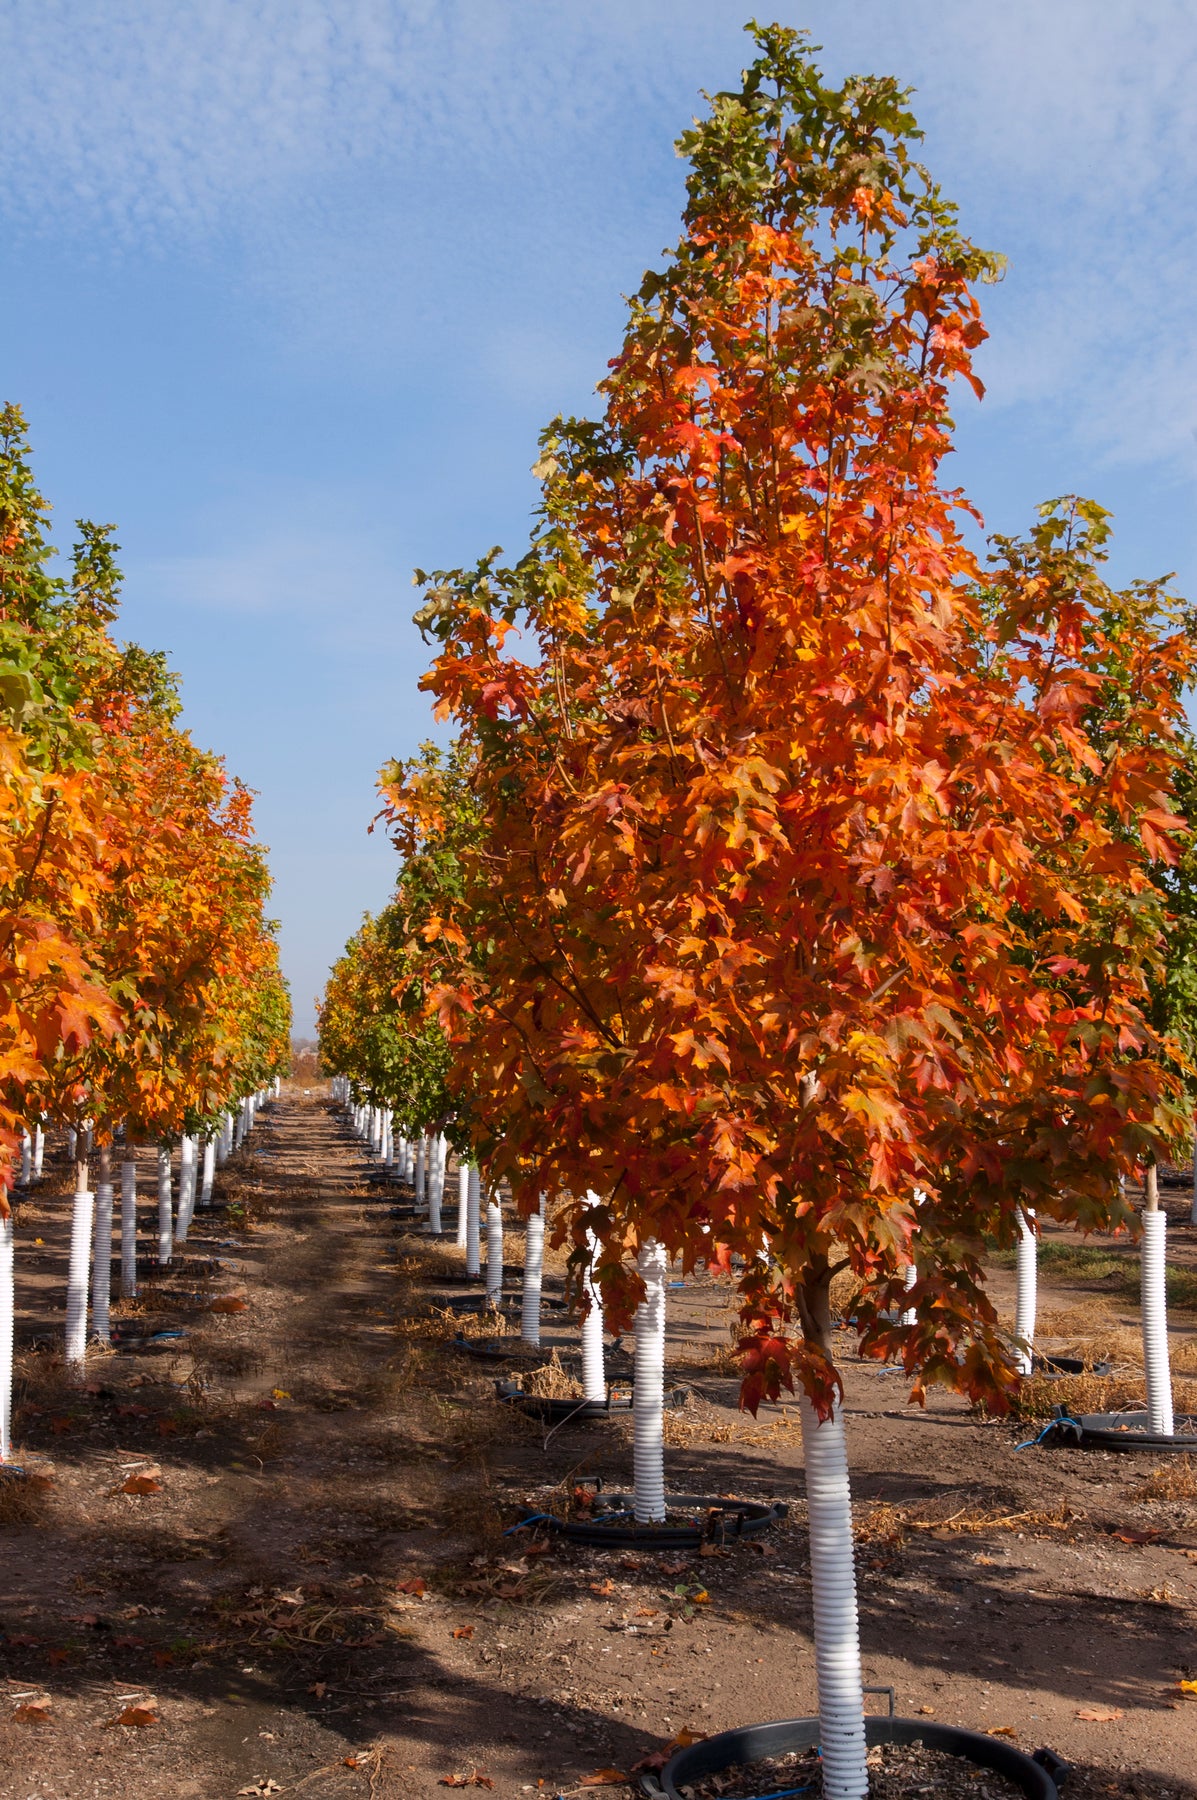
(1038, 1777)
(1121, 1431)
(716, 1520)
(542, 1406)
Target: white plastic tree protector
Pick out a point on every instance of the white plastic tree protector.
(648, 1393)
(376, 1134)
(594, 1372)
(26, 1159)
(436, 1185)
(39, 1151)
(77, 1272)
(388, 1142)
(463, 1203)
(833, 1583)
(409, 1161)
(208, 1173)
(473, 1208)
(533, 1276)
(1193, 1208)
(128, 1230)
(239, 1127)
(187, 1174)
(421, 1175)
(909, 1276)
(101, 1268)
(494, 1251)
(164, 1206)
(6, 1316)
(1154, 1300)
(72, 1142)
(1026, 1296)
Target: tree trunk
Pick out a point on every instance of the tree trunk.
(463, 1203)
(208, 1175)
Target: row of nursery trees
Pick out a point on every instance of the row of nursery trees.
(141, 1001)
(804, 891)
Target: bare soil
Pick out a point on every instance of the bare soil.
(269, 1557)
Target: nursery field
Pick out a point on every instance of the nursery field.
(273, 1555)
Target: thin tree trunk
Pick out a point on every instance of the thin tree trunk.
(1026, 1304)
(494, 1252)
(6, 1336)
(594, 1372)
(533, 1276)
(165, 1235)
(128, 1227)
(473, 1210)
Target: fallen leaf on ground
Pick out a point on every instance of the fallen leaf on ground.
(605, 1778)
(141, 1484)
(319, 1688)
(1127, 1536)
(656, 1759)
(33, 1712)
(136, 1715)
(928, 1710)
(603, 1588)
(414, 1586)
(1001, 1731)
(473, 1779)
(228, 1303)
(673, 1568)
(265, 1784)
(646, 1612)
(1188, 1687)
(463, 1631)
(700, 1597)
(1099, 1715)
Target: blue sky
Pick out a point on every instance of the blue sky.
(290, 286)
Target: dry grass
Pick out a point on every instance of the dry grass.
(23, 1498)
(1172, 1481)
(1037, 1398)
(552, 1381)
(890, 1524)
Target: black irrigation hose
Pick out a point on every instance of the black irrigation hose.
(1038, 1777)
(715, 1520)
(1119, 1431)
(1068, 1365)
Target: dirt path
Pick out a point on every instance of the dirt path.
(314, 1595)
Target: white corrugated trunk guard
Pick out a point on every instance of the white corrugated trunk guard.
(833, 1584)
(208, 1174)
(187, 1174)
(1026, 1295)
(77, 1271)
(436, 1184)
(164, 1206)
(39, 1151)
(494, 1251)
(473, 1210)
(909, 1276)
(101, 1268)
(128, 1230)
(1153, 1295)
(6, 1319)
(594, 1373)
(648, 1391)
(533, 1275)
(463, 1202)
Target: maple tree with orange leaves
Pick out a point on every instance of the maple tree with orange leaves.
(811, 913)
